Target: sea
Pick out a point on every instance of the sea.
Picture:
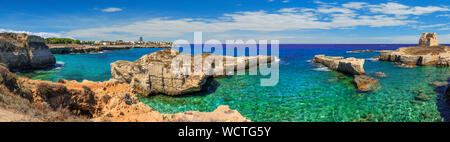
(306, 92)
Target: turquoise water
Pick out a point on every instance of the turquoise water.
(305, 91)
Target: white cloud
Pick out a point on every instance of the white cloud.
(325, 16)
(41, 34)
(431, 26)
(112, 9)
(443, 39)
(400, 9)
(443, 15)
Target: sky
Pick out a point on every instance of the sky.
(289, 21)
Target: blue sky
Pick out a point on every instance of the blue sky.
(290, 21)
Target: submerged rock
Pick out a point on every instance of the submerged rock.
(438, 84)
(348, 65)
(155, 74)
(365, 83)
(380, 74)
(22, 51)
(422, 97)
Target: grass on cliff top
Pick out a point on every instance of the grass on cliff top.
(421, 50)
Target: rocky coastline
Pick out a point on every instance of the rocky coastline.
(22, 99)
(153, 73)
(438, 56)
(22, 51)
(89, 101)
(85, 49)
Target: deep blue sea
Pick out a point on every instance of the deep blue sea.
(305, 92)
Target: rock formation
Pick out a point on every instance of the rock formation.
(153, 73)
(428, 40)
(35, 100)
(365, 83)
(421, 56)
(22, 51)
(348, 65)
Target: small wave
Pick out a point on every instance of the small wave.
(309, 61)
(277, 59)
(322, 69)
(372, 59)
(60, 62)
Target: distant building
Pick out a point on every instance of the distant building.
(141, 39)
(428, 40)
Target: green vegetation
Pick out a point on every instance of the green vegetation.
(53, 40)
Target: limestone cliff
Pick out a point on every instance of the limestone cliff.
(348, 65)
(22, 51)
(153, 73)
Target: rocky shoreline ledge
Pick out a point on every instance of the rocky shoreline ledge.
(84, 49)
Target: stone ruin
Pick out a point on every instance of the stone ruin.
(428, 40)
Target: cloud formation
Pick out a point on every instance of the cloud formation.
(112, 9)
(325, 16)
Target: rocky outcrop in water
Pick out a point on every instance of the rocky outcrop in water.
(438, 56)
(22, 51)
(366, 83)
(35, 100)
(153, 73)
(348, 65)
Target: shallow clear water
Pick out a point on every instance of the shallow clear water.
(305, 91)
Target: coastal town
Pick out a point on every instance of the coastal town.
(74, 46)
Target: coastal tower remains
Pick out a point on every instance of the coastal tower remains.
(428, 40)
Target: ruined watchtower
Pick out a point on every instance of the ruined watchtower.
(428, 40)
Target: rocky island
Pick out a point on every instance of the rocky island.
(351, 66)
(429, 52)
(22, 51)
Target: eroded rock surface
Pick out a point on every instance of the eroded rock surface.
(22, 51)
(155, 74)
(348, 65)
